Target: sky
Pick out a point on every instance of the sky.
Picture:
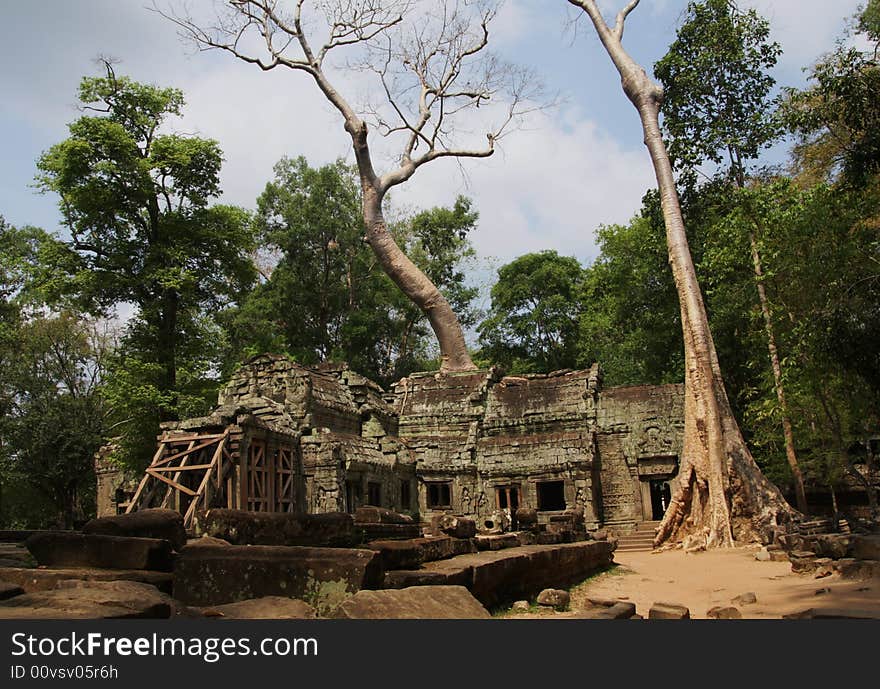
(549, 186)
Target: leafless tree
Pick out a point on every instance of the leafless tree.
(720, 493)
(432, 70)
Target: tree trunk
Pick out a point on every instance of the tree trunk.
(720, 494)
(788, 435)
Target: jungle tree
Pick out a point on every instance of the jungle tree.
(720, 493)
(432, 67)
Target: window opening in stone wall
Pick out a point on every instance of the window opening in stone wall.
(374, 494)
(352, 495)
(507, 497)
(440, 494)
(551, 496)
(405, 495)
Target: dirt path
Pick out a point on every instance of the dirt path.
(702, 581)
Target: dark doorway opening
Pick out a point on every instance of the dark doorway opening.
(551, 496)
(374, 494)
(660, 495)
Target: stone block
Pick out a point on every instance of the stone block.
(376, 532)
(90, 600)
(9, 590)
(398, 554)
(32, 580)
(379, 515)
(239, 527)
(70, 549)
(451, 576)
(668, 611)
(621, 610)
(266, 608)
(496, 541)
(833, 614)
(745, 599)
(323, 577)
(724, 613)
(451, 525)
(554, 598)
(866, 547)
(419, 602)
(150, 523)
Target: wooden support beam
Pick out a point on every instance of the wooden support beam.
(171, 483)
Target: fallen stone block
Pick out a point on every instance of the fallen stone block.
(526, 538)
(778, 556)
(520, 606)
(745, 599)
(866, 547)
(833, 614)
(398, 554)
(621, 610)
(858, 569)
(549, 538)
(323, 577)
(724, 613)
(403, 578)
(762, 555)
(668, 611)
(419, 602)
(32, 580)
(333, 529)
(451, 525)
(443, 547)
(9, 590)
(496, 541)
(554, 598)
(69, 549)
(377, 532)
(207, 540)
(527, 518)
(149, 523)
(90, 600)
(835, 546)
(266, 608)
(379, 515)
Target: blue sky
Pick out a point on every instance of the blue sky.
(549, 186)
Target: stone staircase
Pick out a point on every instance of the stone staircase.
(641, 539)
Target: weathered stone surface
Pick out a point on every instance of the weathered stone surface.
(32, 580)
(668, 611)
(527, 518)
(331, 529)
(266, 608)
(496, 541)
(745, 599)
(90, 600)
(419, 602)
(520, 606)
(549, 538)
(69, 549)
(858, 569)
(554, 598)
(497, 577)
(15, 555)
(398, 554)
(621, 610)
(9, 590)
(762, 555)
(151, 523)
(376, 532)
(451, 576)
(778, 556)
(833, 614)
(379, 515)
(206, 540)
(451, 525)
(724, 613)
(323, 577)
(835, 546)
(443, 547)
(866, 547)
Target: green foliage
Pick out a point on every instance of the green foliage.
(717, 86)
(327, 298)
(136, 204)
(837, 119)
(54, 424)
(532, 324)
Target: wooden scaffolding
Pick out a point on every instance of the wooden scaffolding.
(188, 472)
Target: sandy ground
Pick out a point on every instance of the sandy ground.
(704, 580)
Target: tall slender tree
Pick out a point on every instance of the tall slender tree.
(720, 493)
(717, 107)
(431, 63)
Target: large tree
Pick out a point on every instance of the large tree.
(533, 321)
(720, 493)
(135, 201)
(717, 107)
(326, 297)
(431, 66)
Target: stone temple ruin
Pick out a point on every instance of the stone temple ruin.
(286, 438)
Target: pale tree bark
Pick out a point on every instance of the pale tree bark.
(787, 432)
(720, 494)
(428, 72)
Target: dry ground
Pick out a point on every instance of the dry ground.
(704, 580)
